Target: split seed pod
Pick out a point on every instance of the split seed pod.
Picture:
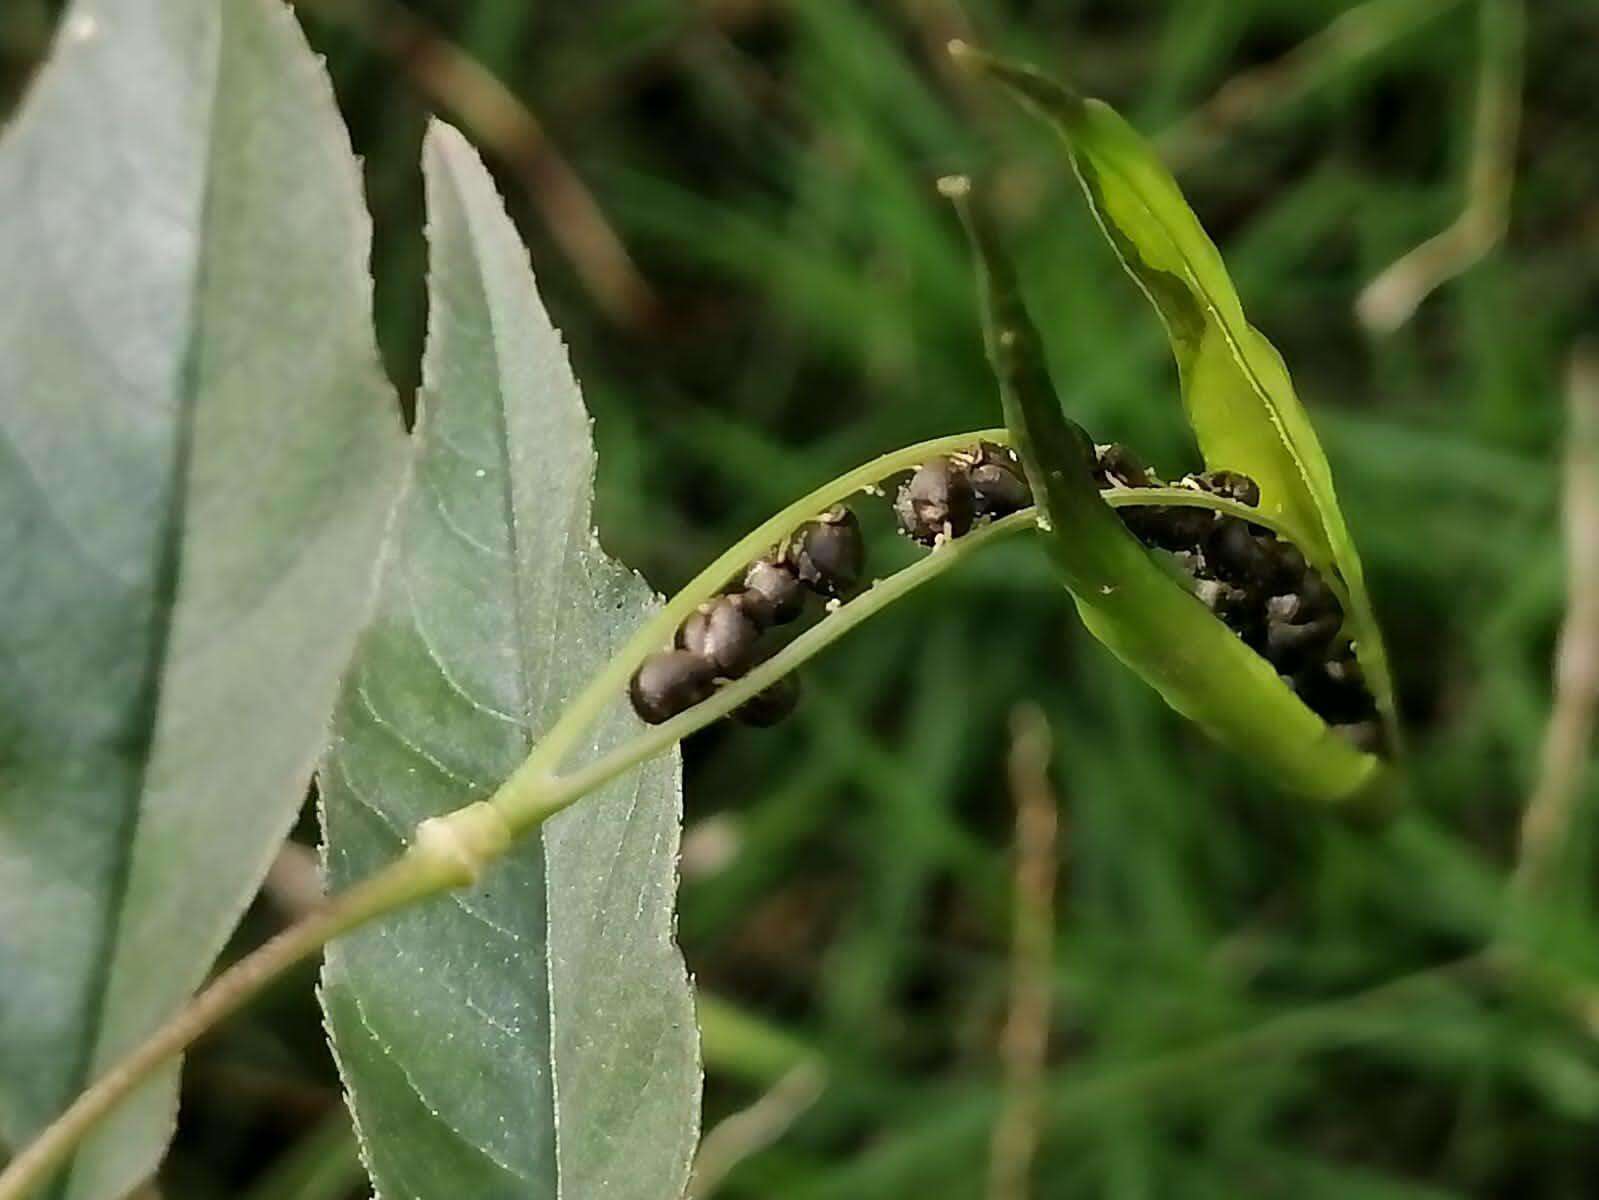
(1243, 409)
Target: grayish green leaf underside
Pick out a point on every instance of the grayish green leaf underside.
(533, 1036)
(198, 451)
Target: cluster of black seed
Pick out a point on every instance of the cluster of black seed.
(947, 496)
(721, 640)
(1259, 585)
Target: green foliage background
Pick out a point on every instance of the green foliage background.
(1223, 1020)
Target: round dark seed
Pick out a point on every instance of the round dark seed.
(669, 682)
(723, 633)
(1290, 646)
(1315, 597)
(1230, 603)
(1237, 555)
(1117, 466)
(770, 706)
(1171, 527)
(1336, 692)
(757, 607)
(988, 454)
(1234, 485)
(999, 490)
(1286, 608)
(938, 501)
(1291, 565)
(780, 585)
(829, 553)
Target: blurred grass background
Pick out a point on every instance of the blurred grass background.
(729, 203)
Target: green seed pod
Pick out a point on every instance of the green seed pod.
(1131, 603)
(1238, 397)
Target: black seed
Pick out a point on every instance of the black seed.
(723, 633)
(1171, 527)
(1222, 598)
(989, 454)
(1316, 597)
(1287, 608)
(772, 705)
(757, 607)
(999, 490)
(1290, 646)
(1117, 466)
(829, 553)
(1346, 670)
(669, 682)
(937, 501)
(1291, 566)
(1234, 485)
(781, 587)
(1237, 555)
(1336, 692)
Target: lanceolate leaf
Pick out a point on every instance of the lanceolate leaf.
(1236, 388)
(1130, 603)
(197, 455)
(534, 1036)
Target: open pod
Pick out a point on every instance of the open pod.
(1246, 418)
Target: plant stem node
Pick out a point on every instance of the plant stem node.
(466, 840)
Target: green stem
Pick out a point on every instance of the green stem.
(659, 629)
(529, 797)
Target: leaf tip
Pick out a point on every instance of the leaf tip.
(1027, 83)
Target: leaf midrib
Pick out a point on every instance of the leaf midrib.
(164, 599)
(519, 616)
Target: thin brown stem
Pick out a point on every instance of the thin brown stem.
(1024, 1043)
(1392, 298)
(407, 880)
(752, 1129)
(1569, 735)
(503, 123)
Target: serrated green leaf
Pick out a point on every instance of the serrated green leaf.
(533, 1036)
(1126, 599)
(1236, 389)
(198, 451)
